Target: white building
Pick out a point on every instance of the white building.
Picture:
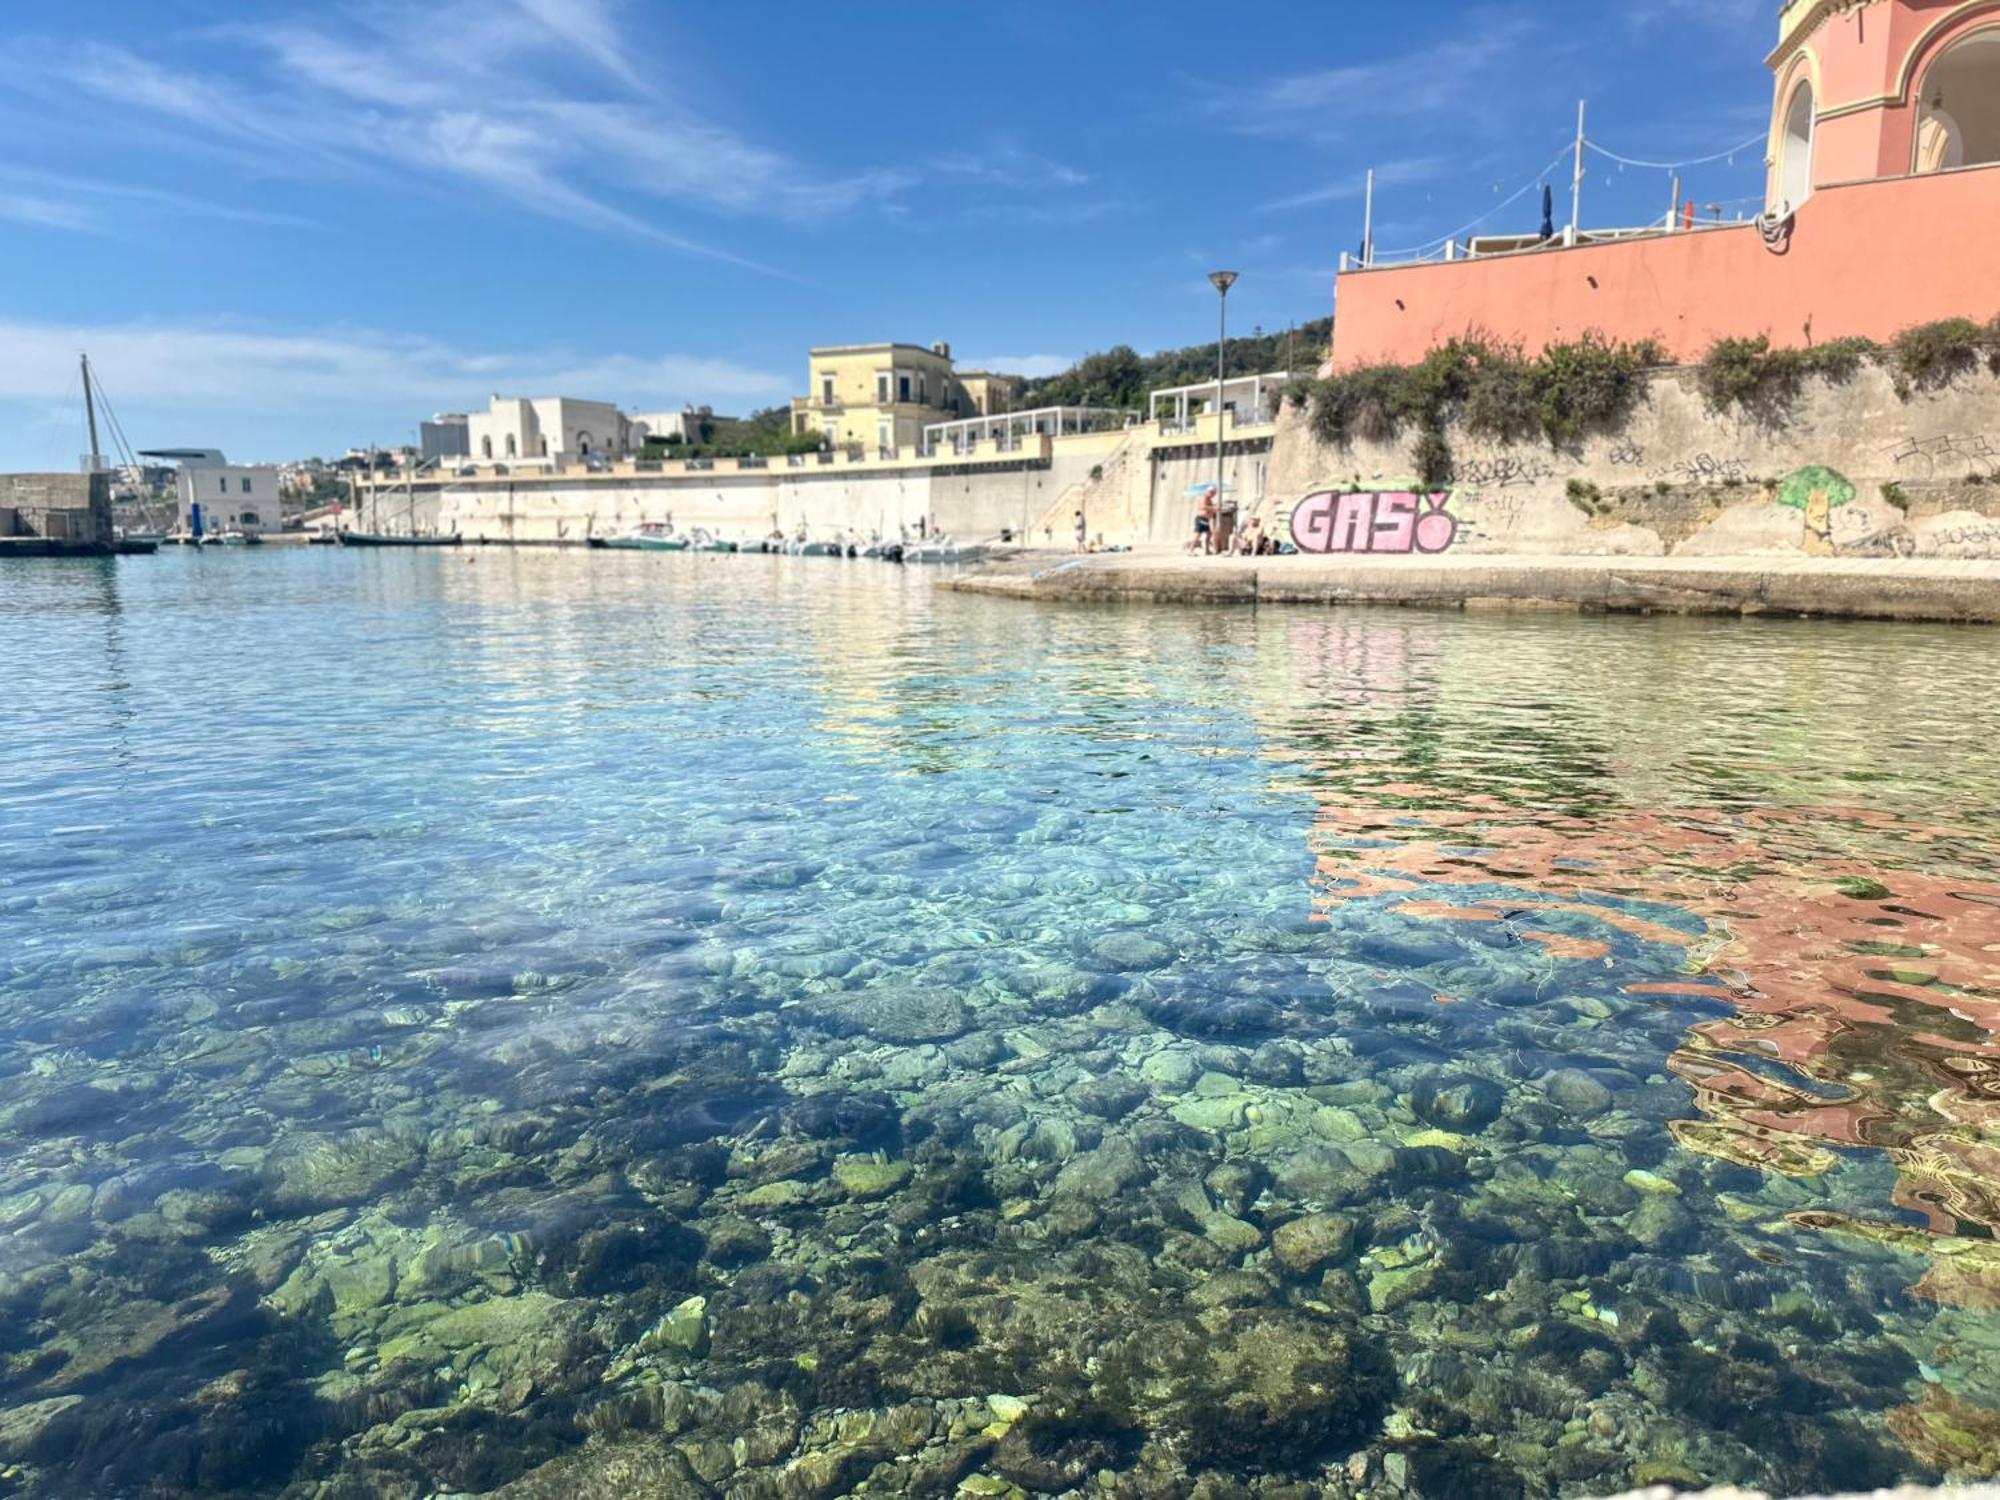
(216, 495)
(544, 430)
(684, 424)
(446, 435)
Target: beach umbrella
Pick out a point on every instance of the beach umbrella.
(1548, 212)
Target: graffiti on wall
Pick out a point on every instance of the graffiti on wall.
(1815, 492)
(1706, 468)
(1498, 471)
(1941, 456)
(1382, 521)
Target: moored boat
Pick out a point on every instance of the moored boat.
(383, 539)
(652, 536)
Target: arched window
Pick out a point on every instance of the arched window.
(512, 448)
(583, 444)
(1795, 151)
(544, 450)
(486, 448)
(1958, 120)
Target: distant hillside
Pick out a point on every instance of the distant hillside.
(1121, 377)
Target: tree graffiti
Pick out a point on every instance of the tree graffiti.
(1814, 492)
(1373, 521)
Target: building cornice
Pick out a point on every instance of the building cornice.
(1816, 16)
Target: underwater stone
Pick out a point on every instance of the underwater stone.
(1235, 1184)
(1457, 1104)
(1111, 1097)
(1319, 1174)
(1576, 1093)
(1663, 1225)
(1128, 952)
(684, 1329)
(1306, 1245)
(21, 1425)
(1210, 1114)
(864, 1178)
(1643, 1181)
(308, 1172)
(1170, 1069)
(1101, 1174)
(919, 1013)
(734, 1241)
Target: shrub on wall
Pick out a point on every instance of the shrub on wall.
(1563, 394)
(1749, 375)
(1933, 355)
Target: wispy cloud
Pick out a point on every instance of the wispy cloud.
(1438, 83)
(168, 379)
(44, 213)
(1389, 174)
(1721, 14)
(1034, 366)
(459, 95)
(64, 201)
(1007, 164)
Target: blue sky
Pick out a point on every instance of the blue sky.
(285, 228)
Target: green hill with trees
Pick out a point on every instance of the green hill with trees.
(1121, 377)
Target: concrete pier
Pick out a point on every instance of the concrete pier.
(1852, 588)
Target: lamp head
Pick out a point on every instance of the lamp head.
(1222, 281)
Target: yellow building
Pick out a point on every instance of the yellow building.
(880, 397)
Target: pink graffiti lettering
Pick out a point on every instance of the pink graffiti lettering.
(1373, 521)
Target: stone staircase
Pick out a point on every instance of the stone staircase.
(1117, 504)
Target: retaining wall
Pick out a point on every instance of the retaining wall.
(1853, 471)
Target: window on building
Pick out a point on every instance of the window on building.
(902, 387)
(246, 484)
(923, 390)
(1795, 169)
(826, 390)
(542, 451)
(1960, 98)
(512, 451)
(486, 447)
(248, 518)
(882, 387)
(222, 483)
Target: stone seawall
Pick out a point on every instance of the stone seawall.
(1852, 470)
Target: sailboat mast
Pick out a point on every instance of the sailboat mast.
(90, 414)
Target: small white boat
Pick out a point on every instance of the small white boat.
(799, 547)
(707, 541)
(943, 550)
(652, 536)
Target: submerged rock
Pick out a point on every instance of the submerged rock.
(1576, 1093)
(1128, 952)
(1457, 1104)
(1308, 1245)
(305, 1173)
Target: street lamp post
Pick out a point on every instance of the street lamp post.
(1222, 281)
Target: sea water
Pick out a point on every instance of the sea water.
(561, 1023)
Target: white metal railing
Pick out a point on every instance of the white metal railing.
(1006, 431)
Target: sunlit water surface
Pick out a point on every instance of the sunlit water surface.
(561, 1023)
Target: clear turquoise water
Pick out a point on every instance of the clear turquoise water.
(422, 976)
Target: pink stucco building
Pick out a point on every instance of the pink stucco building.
(1883, 210)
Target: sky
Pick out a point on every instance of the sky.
(285, 229)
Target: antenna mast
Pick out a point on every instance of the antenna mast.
(90, 414)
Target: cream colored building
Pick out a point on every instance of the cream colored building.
(551, 429)
(879, 398)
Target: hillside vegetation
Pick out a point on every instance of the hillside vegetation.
(1120, 377)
